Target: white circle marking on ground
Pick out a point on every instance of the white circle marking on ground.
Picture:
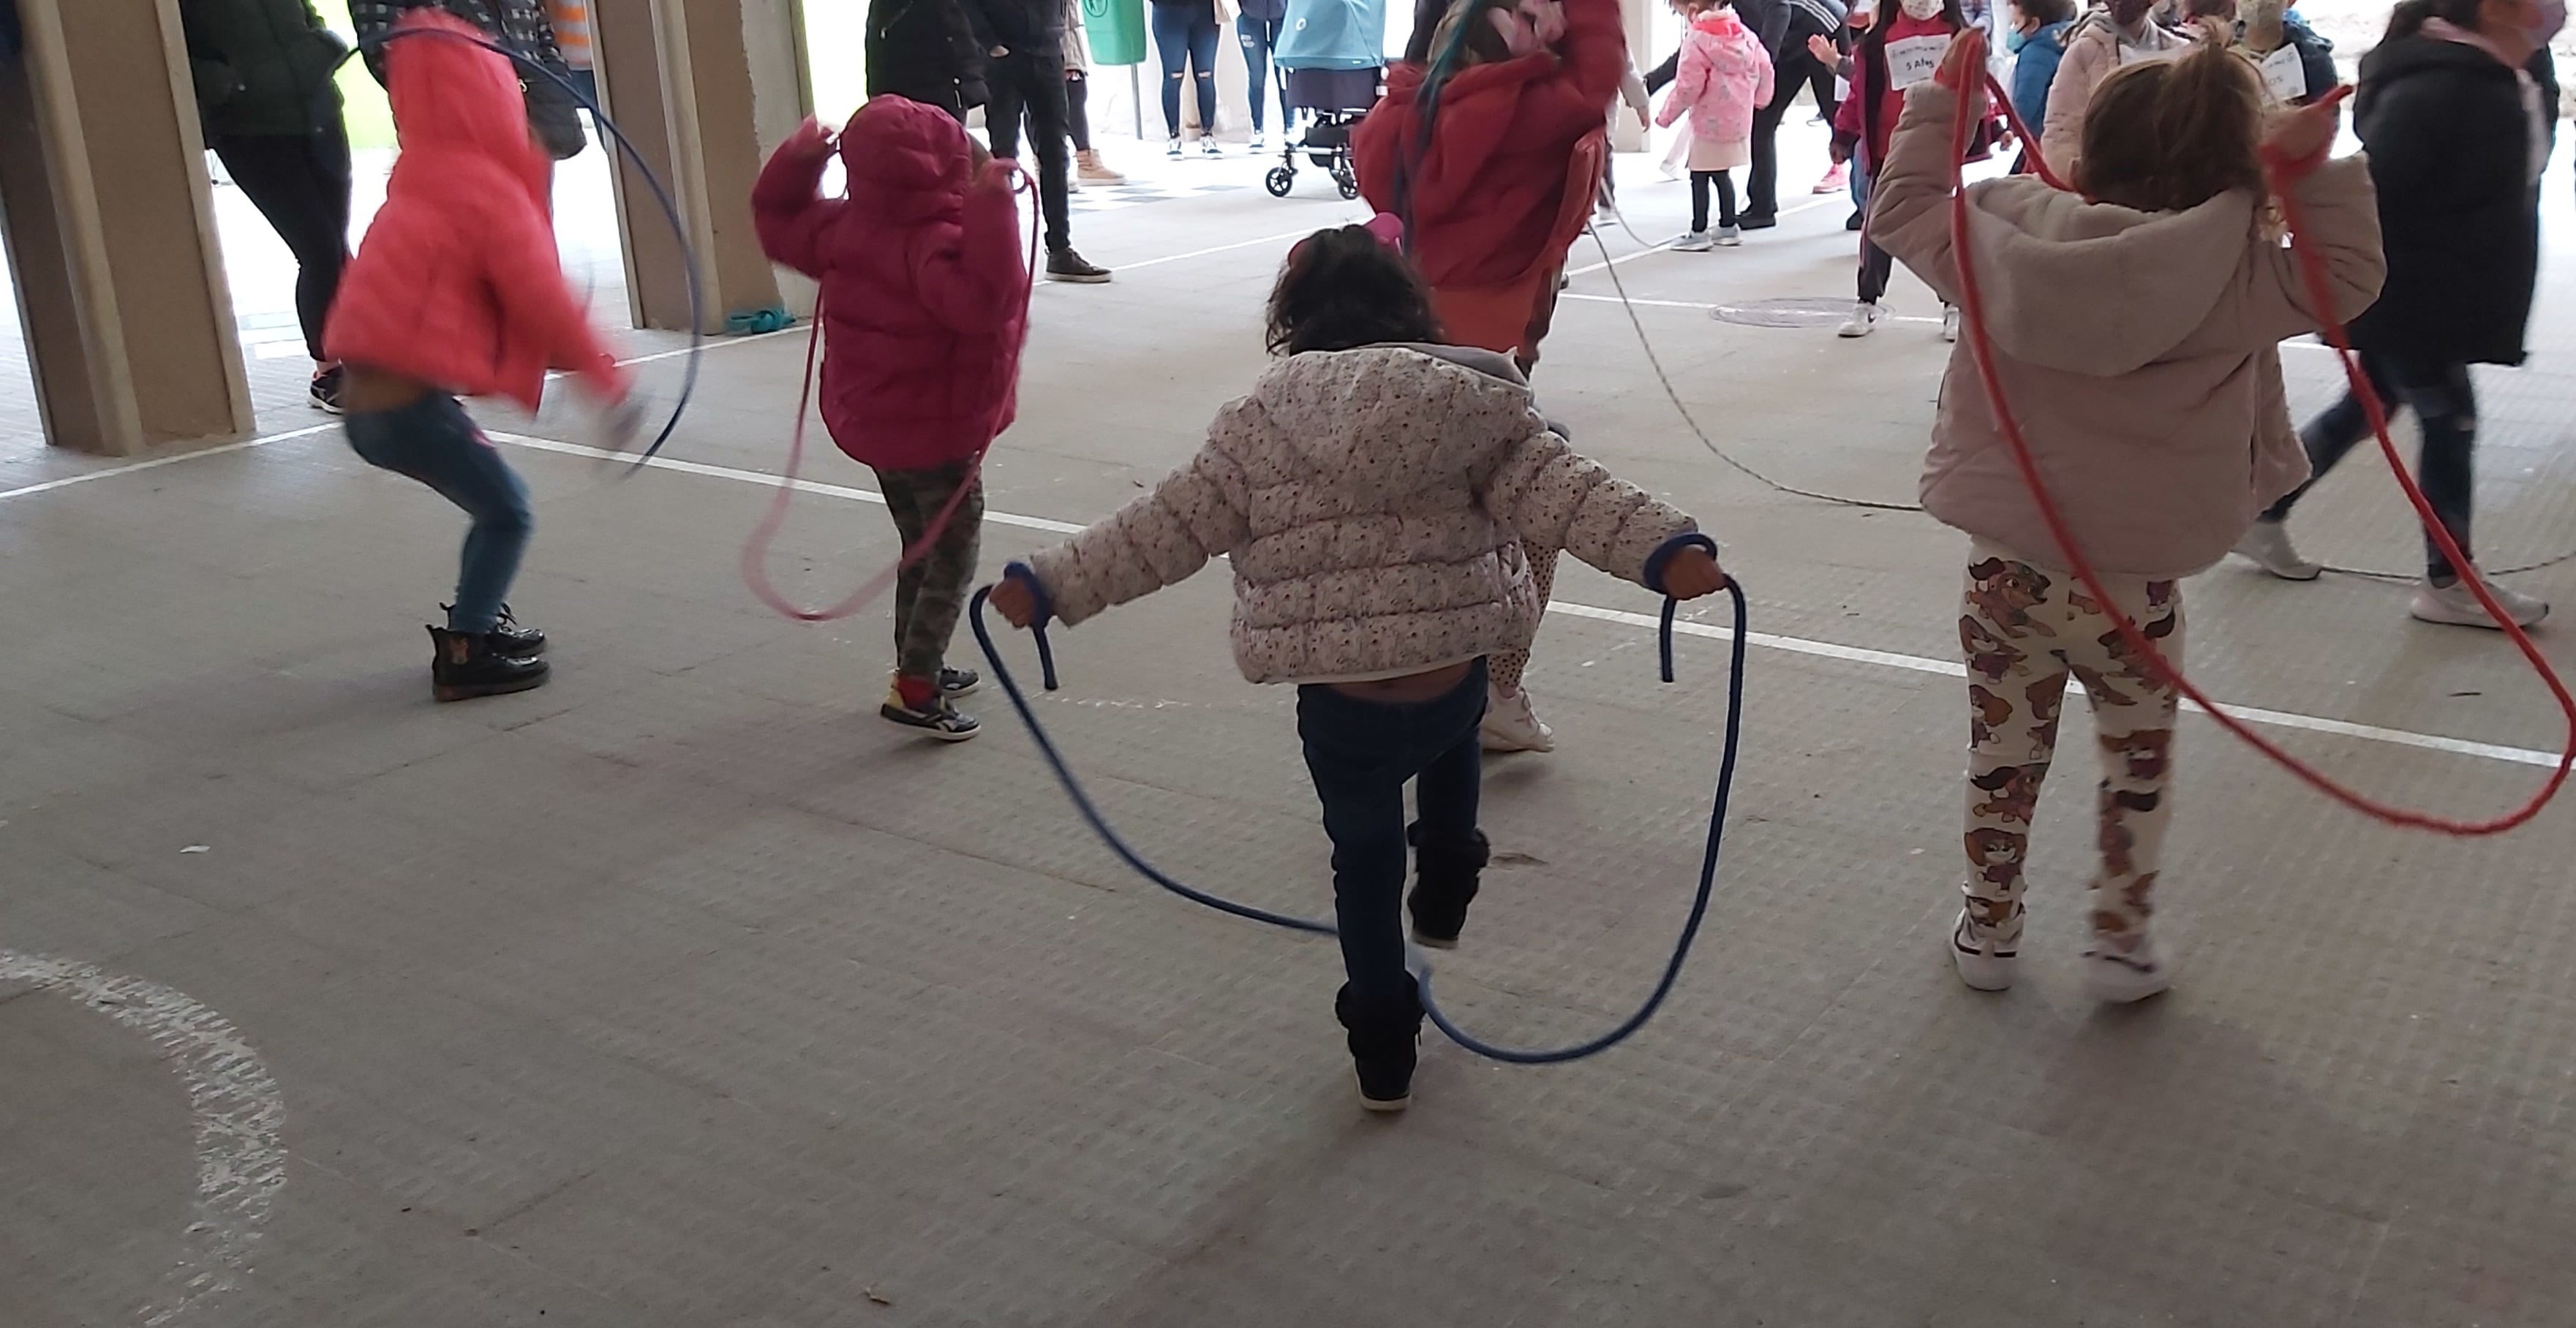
(240, 1163)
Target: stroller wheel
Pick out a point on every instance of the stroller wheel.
(1281, 179)
(1348, 183)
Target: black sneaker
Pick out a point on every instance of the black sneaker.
(1761, 223)
(1385, 1038)
(1066, 265)
(1852, 222)
(1446, 877)
(466, 667)
(325, 392)
(942, 721)
(954, 683)
(508, 637)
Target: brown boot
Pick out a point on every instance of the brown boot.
(1089, 168)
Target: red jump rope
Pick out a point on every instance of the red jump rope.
(755, 551)
(2312, 269)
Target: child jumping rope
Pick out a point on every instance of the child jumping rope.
(458, 290)
(2129, 325)
(1494, 176)
(1724, 76)
(1373, 492)
(921, 276)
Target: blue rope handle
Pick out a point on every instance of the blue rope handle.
(1415, 960)
(661, 195)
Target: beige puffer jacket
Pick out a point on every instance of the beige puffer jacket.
(1373, 501)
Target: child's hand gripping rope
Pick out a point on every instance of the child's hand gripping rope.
(1690, 574)
(2297, 143)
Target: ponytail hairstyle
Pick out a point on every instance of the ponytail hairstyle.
(1346, 287)
(2174, 134)
(2408, 18)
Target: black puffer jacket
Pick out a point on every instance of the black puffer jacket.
(522, 25)
(2450, 144)
(262, 67)
(926, 50)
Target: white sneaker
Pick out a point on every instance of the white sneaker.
(1863, 321)
(2116, 978)
(1697, 242)
(1949, 322)
(1729, 236)
(1985, 962)
(1208, 145)
(1512, 724)
(2456, 606)
(1260, 141)
(2268, 545)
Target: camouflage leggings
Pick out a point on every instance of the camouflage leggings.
(2025, 629)
(930, 594)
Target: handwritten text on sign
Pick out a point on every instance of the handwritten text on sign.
(1913, 60)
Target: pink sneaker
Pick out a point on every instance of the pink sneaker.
(1835, 181)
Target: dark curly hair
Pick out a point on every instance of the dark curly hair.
(1342, 288)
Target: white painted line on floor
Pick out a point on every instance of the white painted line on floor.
(156, 463)
(1667, 245)
(311, 429)
(240, 1163)
(2431, 742)
(1220, 249)
(700, 468)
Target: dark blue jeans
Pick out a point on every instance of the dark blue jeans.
(1258, 36)
(2446, 414)
(1362, 753)
(432, 441)
(1185, 34)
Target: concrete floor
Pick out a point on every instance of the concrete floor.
(682, 992)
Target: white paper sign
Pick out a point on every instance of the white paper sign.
(1913, 60)
(2285, 74)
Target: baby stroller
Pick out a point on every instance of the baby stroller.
(1331, 57)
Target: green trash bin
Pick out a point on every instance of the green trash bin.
(1116, 29)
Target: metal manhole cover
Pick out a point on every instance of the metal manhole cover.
(1794, 311)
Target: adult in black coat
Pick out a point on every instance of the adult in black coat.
(2457, 109)
(1024, 71)
(927, 50)
(524, 26)
(262, 70)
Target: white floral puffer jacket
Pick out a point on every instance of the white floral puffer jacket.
(1373, 502)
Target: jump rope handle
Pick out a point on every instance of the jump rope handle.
(1664, 634)
(1027, 577)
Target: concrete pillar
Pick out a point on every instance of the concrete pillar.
(111, 231)
(705, 88)
(1637, 18)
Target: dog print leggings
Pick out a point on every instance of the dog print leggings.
(2025, 629)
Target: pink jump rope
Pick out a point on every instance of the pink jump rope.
(2312, 270)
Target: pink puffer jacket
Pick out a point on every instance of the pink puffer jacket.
(1723, 77)
(1373, 501)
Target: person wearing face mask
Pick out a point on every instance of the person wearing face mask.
(2265, 28)
(2125, 33)
(1897, 54)
(2456, 108)
(2037, 41)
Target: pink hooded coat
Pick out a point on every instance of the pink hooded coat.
(1723, 78)
(923, 282)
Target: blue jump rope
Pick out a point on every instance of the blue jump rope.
(652, 181)
(1415, 960)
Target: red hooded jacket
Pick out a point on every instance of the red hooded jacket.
(924, 288)
(1516, 150)
(458, 282)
